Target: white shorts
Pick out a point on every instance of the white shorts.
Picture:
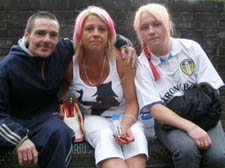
(99, 134)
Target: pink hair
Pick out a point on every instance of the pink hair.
(93, 10)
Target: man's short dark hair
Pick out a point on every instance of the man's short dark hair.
(40, 14)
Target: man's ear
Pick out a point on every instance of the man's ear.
(26, 34)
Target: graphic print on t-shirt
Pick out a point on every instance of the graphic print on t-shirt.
(105, 99)
(187, 66)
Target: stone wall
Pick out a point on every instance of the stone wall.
(203, 21)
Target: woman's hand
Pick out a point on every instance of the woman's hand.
(126, 137)
(201, 137)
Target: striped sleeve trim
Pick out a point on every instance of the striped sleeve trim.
(69, 155)
(9, 135)
(24, 139)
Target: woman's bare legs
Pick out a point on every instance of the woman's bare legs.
(113, 163)
(138, 161)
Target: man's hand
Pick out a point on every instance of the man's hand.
(129, 53)
(27, 153)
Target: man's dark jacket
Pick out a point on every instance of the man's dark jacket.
(29, 86)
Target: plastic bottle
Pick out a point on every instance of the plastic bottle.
(116, 125)
(148, 122)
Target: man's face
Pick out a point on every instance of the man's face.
(43, 38)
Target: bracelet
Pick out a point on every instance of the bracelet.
(131, 116)
(191, 129)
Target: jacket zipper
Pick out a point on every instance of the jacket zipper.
(42, 70)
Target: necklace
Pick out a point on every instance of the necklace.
(100, 77)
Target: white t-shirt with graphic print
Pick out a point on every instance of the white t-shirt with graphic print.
(104, 100)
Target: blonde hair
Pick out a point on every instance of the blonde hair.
(78, 29)
(159, 12)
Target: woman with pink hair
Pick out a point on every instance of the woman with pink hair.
(104, 85)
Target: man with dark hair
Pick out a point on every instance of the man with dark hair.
(30, 78)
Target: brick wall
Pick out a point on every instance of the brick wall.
(203, 21)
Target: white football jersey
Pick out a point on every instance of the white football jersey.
(185, 65)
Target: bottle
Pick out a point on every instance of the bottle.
(116, 125)
(148, 121)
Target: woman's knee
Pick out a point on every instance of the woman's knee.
(111, 162)
(187, 151)
(137, 161)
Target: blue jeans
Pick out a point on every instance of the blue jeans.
(185, 152)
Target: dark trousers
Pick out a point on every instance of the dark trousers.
(185, 152)
(53, 140)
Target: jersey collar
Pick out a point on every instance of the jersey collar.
(175, 49)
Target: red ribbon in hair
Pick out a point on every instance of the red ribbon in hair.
(148, 55)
